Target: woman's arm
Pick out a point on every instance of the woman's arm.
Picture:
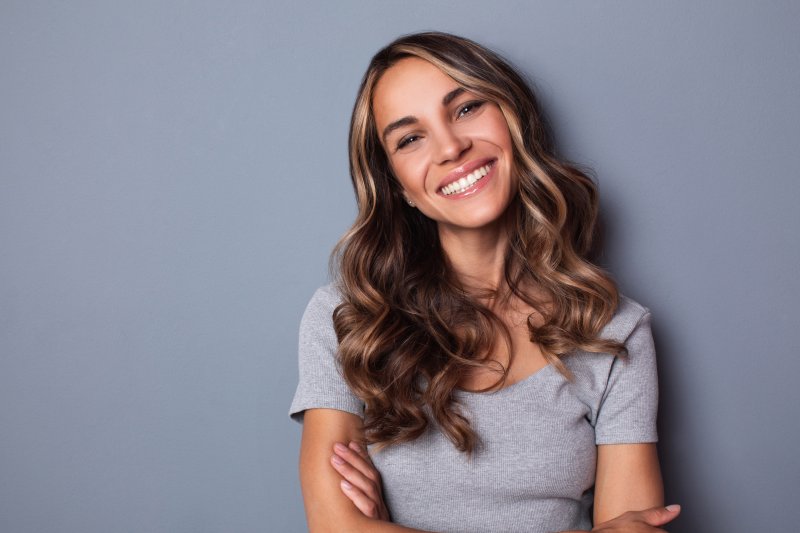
(328, 509)
(629, 494)
(628, 478)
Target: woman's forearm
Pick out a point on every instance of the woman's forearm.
(328, 510)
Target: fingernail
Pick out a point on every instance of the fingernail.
(346, 485)
(339, 447)
(674, 507)
(338, 460)
(355, 446)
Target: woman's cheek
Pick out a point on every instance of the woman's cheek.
(412, 178)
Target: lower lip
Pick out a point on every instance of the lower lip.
(475, 188)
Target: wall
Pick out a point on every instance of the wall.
(173, 176)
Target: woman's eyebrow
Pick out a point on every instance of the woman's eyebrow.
(452, 95)
(405, 121)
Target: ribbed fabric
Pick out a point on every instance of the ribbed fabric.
(535, 467)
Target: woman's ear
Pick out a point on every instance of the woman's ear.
(408, 200)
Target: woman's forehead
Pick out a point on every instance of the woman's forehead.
(410, 85)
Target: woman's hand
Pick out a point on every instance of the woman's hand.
(362, 482)
(647, 521)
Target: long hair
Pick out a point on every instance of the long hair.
(398, 347)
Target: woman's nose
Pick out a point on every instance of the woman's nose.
(451, 144)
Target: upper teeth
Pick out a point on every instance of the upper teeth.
(467, 181)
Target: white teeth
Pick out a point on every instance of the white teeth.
(467, 181)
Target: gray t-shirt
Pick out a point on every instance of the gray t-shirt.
(534, 470)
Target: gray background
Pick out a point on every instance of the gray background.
(173, 176)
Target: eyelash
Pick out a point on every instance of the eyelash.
(473, 105)
(470, 107)
(405, 141)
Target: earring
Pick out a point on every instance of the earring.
(412, 204)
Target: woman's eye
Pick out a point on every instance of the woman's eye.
(468, 108)
(405, 141)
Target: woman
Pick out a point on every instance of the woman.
(497, 376)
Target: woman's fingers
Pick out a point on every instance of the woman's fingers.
(360, 450)
(362, 482)
(364, 503)
(658, 516)
(354, 476)
(355, 470)
(648, 520)
(353, 456)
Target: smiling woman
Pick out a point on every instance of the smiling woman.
(452, 144)
(470, 369)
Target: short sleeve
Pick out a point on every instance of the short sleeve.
(629, 405)
(321, 383)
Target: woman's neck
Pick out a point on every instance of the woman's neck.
(476, 255)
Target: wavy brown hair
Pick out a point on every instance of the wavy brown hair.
(398, 349)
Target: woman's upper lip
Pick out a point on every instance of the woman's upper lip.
(464, 170)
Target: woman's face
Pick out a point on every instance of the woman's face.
(450, 149)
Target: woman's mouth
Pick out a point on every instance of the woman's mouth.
(466, 182)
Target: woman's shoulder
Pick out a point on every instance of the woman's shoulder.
(318, 316)
(628, 315)
(324, 300)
